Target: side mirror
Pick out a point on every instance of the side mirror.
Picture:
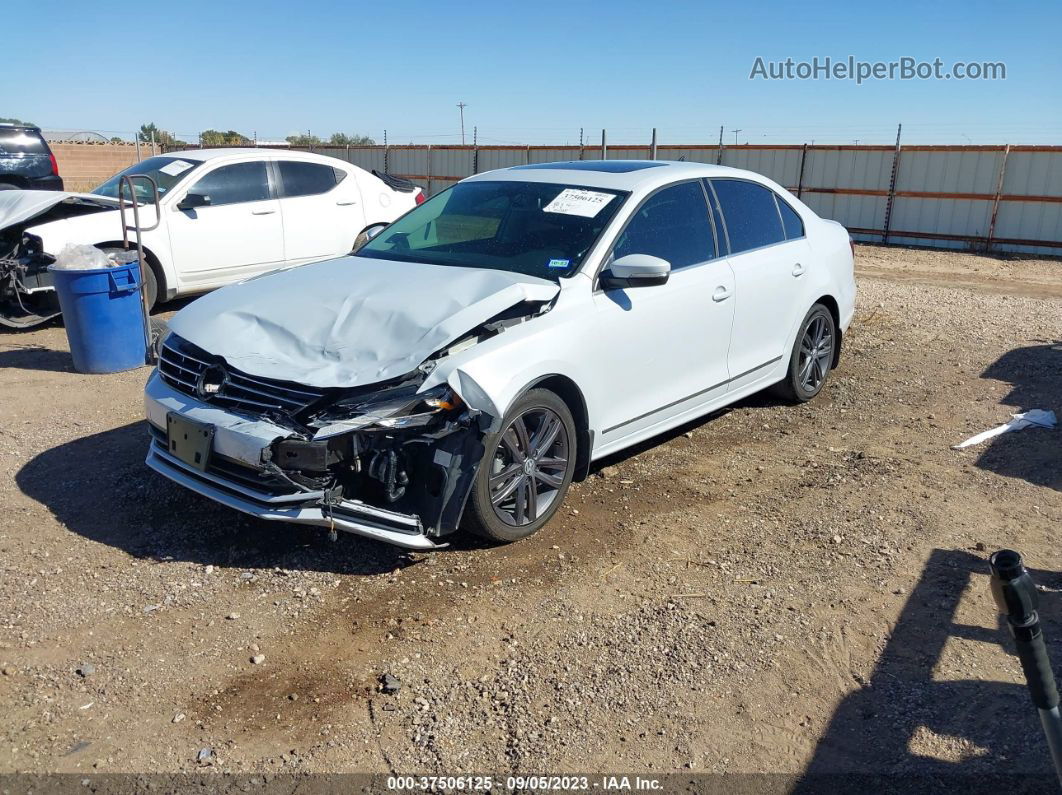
(374, 230)
(635, 270)
(192, 201)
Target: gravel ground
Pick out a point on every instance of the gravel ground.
(772, 589)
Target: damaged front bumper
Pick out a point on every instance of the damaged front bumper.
(27, 295)
(433, 478)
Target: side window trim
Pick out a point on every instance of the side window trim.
(273, 172)
(615, 239)
(711, 221)
(722, 215)
(803, 227)
(781, 220)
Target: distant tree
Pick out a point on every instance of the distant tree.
(17, 121)
(218, 138)
(342, 139)
(161, 136)
(117, 140)
(304, 140)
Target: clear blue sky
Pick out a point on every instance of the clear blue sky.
(530, 72)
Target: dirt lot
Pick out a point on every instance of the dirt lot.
(774, 588)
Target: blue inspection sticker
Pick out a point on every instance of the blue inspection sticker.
(559, 263)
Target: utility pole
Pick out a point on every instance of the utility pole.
(735, 135)
(461, 106)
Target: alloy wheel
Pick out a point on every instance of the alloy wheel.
(528, 467)
(816, 354)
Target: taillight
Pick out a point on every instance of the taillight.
(420, 196)
(55, 164)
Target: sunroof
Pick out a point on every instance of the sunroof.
(606, 166)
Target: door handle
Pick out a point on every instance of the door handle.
(798, 270)
(262, 212)
(345, 204)
(721, 293)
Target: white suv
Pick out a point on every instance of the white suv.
(225, 215)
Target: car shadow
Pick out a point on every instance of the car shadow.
(1034, 374)
(37, 357)
(99, 487)
(910, 728)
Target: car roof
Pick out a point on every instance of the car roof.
(242, 151)
(626, 175)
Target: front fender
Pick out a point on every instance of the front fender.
(492, 375)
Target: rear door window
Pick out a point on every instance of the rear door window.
(673, 225)
(305, 179)
(794, 227)
(750, 213)
(240, 182)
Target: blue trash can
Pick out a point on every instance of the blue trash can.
(103, 317)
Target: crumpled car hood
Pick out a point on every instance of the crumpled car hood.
(351, 321)
(17, 206)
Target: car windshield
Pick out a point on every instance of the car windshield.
(166, 170)
(536, 228)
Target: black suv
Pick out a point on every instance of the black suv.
(25, 159)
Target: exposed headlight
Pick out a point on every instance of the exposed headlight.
(402, 408)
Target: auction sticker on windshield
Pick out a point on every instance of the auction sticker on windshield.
(573, 201)
(176, 167)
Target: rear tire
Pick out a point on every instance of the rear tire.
(526, 469)
(811, 359)
(151, 286)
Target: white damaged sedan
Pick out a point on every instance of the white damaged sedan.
(476, 356)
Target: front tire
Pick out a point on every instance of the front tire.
(526, 469)
(151, 282)
(811, 359)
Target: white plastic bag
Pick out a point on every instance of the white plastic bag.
(1033, 418)
(79, 257)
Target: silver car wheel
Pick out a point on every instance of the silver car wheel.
(816, 354)
(529, 466)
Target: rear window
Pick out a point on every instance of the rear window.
(306, 179)
(15, 141)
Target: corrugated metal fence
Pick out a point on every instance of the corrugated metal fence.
(1001, 198)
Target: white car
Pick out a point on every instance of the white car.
(224, 215)
(470, 361)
